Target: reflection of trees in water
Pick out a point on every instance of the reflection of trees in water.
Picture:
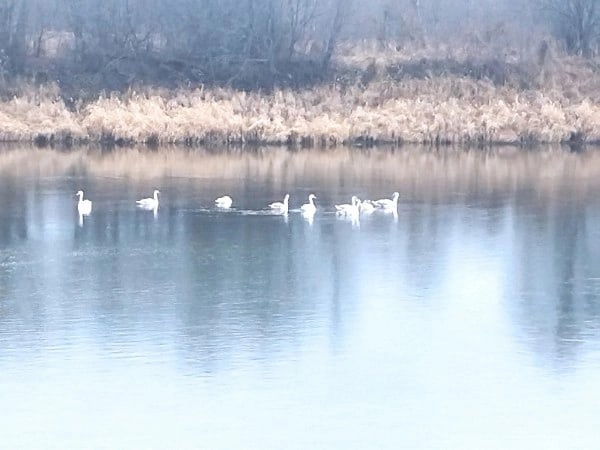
(242, 286)
(569, 228)
(215, 286)
(230, 286)
(251, 286)
(13, 231)
(427, 239)
(556, 291)
(24, 316)
(13, 204)
(426, 174)
(349, 274)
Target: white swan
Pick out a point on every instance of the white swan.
(309, 208)
(386, 203)
(349, 210)
(367, 207)
(281, 207)
(84, 207)
(224, 202)
(149, 203)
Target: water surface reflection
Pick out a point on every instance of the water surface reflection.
(203, 327)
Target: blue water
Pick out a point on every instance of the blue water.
(470, 320)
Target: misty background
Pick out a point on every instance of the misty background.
(114, 44)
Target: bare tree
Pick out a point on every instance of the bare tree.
(13, 34)
(577, 22)
(251, 42)
(301, 15)
(341, 13)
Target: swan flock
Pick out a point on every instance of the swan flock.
(354, 209)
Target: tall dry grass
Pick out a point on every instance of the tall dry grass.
(442, 109)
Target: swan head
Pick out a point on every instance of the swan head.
(396, 194)
(312, 196)
(156, 192)
(79, 193)
(286, 198)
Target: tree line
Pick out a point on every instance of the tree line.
(251, 43)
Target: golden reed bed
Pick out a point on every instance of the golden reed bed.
(442, 110)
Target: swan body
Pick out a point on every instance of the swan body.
(367, 207)
(224, 202)
(387, 204)
(84, 207)
(309, 208)
(149, 203)
(281, 207)
(349, 210)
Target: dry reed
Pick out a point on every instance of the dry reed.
(438, 110)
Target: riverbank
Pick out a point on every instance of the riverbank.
(436, 111)
(370, 102)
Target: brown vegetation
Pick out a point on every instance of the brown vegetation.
(299, 73)
(439, 110)
(87, 46)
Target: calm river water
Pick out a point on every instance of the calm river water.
(469, 321)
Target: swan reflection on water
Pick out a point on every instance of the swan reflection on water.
(308, 216)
